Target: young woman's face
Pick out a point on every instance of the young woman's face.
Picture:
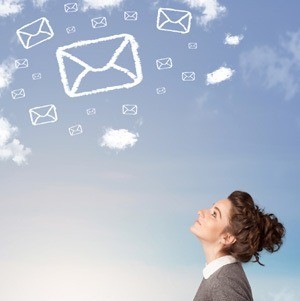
(212, 221)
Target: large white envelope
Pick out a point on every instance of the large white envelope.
(188, 76)
(42, 115)
(129, 109)
(21, 63)
(174, 20)
(36, 76)
(99, 22)
(19, 93)
(71, 7)
(75, 130)
(35, 33)
(125, 42)
(130, 15)
(164, 63)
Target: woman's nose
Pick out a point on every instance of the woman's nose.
(201, 213)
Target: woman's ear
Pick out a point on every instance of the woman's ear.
(228, 239)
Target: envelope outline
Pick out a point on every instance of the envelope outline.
(99, 22)
(71, 7)
(136, 77)
(49, 117)
(188, 76)
(36, 76)
(130, 15)
(161, 90)
(75, 130)
(70, 29)
(21, 63)
(164, 63)
(192, 45)
(129, 109)
(18, 93)
(91, 111)
(186, 14)
(44, 22)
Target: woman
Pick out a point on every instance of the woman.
(232, 232)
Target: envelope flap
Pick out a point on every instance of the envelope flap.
(32, 28)
(95, 55)
(45, 111)
(174, 16)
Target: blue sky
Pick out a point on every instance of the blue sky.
(81, 220)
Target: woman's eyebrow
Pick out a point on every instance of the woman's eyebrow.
(218, 210)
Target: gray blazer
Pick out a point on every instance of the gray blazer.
(229, 283)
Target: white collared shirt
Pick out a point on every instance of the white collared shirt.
(216, 264)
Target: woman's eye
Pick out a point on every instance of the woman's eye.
(214, 214)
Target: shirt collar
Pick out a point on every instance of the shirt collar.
(216, 264)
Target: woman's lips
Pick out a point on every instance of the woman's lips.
(198, 222)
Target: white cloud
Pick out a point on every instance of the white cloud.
(10, 7)
(233, 40)
(273, 67)
(39, 3)
(96, 4)
(210, 10)
(7, 69)
(220, 75)
(11, 148)
(118, 139)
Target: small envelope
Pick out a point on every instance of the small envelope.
(164, 63)
(91, 111)
(70, 29)
(161, 90)
(75, 130)
(129, 109)
(174, 20)
(91, 78)
(19, 93)
(35, 33)
(21, 63)
(42, 115)
(36, 76)
(188, 76)
(130, 15)
(71, 7)
(192, 45)
(99, 22)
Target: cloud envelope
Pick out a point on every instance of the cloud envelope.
(220, 75)
(233, 40)
(11, 148)
(118, 139)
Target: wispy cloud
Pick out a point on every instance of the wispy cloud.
(118, 139)
(39, 3)
(233, 40)
(11, 148)
(275, 67)
(210, 10)
(10, 7)
(7, 69)
(284, 294)
(103, 4)
(219, 75)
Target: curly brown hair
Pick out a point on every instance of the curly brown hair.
(253, 229)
